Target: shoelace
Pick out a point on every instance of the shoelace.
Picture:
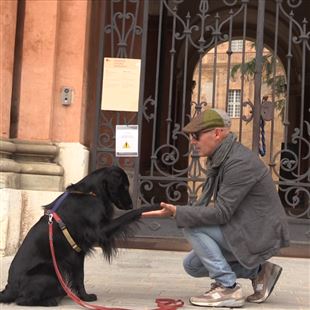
(214, 286)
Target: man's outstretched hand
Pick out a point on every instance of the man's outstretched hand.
(167, 210)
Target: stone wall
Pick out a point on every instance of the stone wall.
(33, 174)
(28, 165)
(20, 209)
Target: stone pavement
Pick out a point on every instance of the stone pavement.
(135, 278)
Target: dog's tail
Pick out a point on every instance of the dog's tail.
(7, 295)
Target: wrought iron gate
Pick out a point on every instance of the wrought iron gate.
(190, 51)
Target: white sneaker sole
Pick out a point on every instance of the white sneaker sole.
(229, 303)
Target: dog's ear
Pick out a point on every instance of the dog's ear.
(105, 188)
(101, 189)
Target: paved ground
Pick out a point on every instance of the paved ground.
(137, 277)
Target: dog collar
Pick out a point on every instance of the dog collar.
(64, 230)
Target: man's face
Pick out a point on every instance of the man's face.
(206, 142)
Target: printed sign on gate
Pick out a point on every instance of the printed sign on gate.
(126, 141)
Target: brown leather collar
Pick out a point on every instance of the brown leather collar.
(82, 193)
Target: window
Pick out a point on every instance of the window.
(234, 100)
(236, 45)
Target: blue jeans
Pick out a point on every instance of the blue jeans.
(211, 257)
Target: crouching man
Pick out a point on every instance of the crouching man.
(245, 226)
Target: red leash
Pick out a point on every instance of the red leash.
(168, 303)
(162, 303)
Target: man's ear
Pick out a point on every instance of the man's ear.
(218, 133)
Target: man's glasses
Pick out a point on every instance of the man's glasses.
(196, 135)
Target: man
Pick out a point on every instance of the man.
(246, 225)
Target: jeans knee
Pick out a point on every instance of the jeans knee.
(189, 269)
(194, 270)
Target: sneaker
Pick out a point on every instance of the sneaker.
(220, 296)
(264, 283)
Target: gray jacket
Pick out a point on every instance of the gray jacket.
(247, 209)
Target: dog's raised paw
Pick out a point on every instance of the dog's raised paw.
(153, 207)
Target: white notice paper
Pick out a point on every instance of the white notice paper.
(121, 84)
(126, 141)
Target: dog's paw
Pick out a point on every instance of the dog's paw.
(89, 297)
(153, 207)
(26, 301)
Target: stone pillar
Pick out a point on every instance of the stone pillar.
(54, 56)
(38, 70)
(68, 121)
(8, 12)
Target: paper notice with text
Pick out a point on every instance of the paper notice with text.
(121, 84)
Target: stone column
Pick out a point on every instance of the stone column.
(70, 71)
(38, 70)
(8, 12)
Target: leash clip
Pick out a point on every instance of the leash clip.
(50, 218)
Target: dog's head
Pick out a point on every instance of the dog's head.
(109, 183)
(116, 184)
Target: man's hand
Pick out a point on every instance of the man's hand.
(167, 210)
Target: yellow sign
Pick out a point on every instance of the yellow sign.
(121, 84)
(126, 146)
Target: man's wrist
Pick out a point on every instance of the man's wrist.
(174, 212)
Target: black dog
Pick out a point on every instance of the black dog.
(87, 211)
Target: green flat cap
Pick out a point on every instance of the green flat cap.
(208, 119)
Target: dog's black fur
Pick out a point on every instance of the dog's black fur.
(32, 280)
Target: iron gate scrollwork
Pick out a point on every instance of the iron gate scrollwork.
(121, 37)
(188, 54)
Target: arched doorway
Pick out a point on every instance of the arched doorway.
(234, 92)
